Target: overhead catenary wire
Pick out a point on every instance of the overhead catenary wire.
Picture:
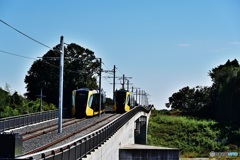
(17, 55)
(105, 66)
(106, 79)
(24, 34)
(119, 70)
(21, 56)
(43, 61)
(65, 70)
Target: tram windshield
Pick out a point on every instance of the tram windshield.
(81, 98)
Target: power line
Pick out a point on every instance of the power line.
(119, 70)
(46, 62)
(105, 66)
(65, 70)
(24, 34)
(13, 54)
(106, 79)
(21, 56)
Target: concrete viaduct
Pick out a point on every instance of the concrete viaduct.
(124, 138)
(129, 143)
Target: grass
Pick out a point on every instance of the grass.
(195, 138)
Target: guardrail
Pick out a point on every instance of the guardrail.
(18, 121)
(81, 147)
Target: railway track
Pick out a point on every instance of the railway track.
(38, 133)
(67, 136)
(46, 129)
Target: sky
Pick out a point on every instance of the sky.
(164, 45)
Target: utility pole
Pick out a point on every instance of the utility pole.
(139, 97)
(127, 84)
(114, 76)
(125, 78)
(61, 85)
(143, 98)
(41, 96)
(123, 81)
(100, 77)
(136, 94)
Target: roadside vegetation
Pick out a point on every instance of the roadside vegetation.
(194, 137)
(13, 104)
(81, 71)
(201, 119)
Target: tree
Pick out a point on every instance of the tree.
(221, 101)
(4, 99)
(225, 94)
(189, 99)
(109, 101)
(80, 70)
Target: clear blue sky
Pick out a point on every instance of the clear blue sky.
(163, 45)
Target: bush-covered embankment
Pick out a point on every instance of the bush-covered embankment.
(195, 138)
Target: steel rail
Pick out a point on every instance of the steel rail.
(80, 147)
(47, 129)
(65, 137)
(38, 129)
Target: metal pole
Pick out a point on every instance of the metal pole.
(41, 100)
(100, 77)
(114, 76)
(139, 97)
(128, 85)
(144, 98)
(41, 96)
(123, 81)
(136, 95)
(61, 85)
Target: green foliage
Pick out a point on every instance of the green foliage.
(80, 70)
(4, 99)
(8, 111)
(193, 137)
(225, 95)
(109, 101)
(221, 101)
(189, 100)
(15, 104)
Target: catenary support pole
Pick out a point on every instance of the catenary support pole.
(100, 96)
(139, 97)
(61, 85)
(123, 82)
(136, 95)
(114, 76)
(41, 96)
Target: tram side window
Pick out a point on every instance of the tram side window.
(128, 100)
(90, 101)
(95, 102)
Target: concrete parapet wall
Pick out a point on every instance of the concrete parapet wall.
(144, 152)
(124, 136)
